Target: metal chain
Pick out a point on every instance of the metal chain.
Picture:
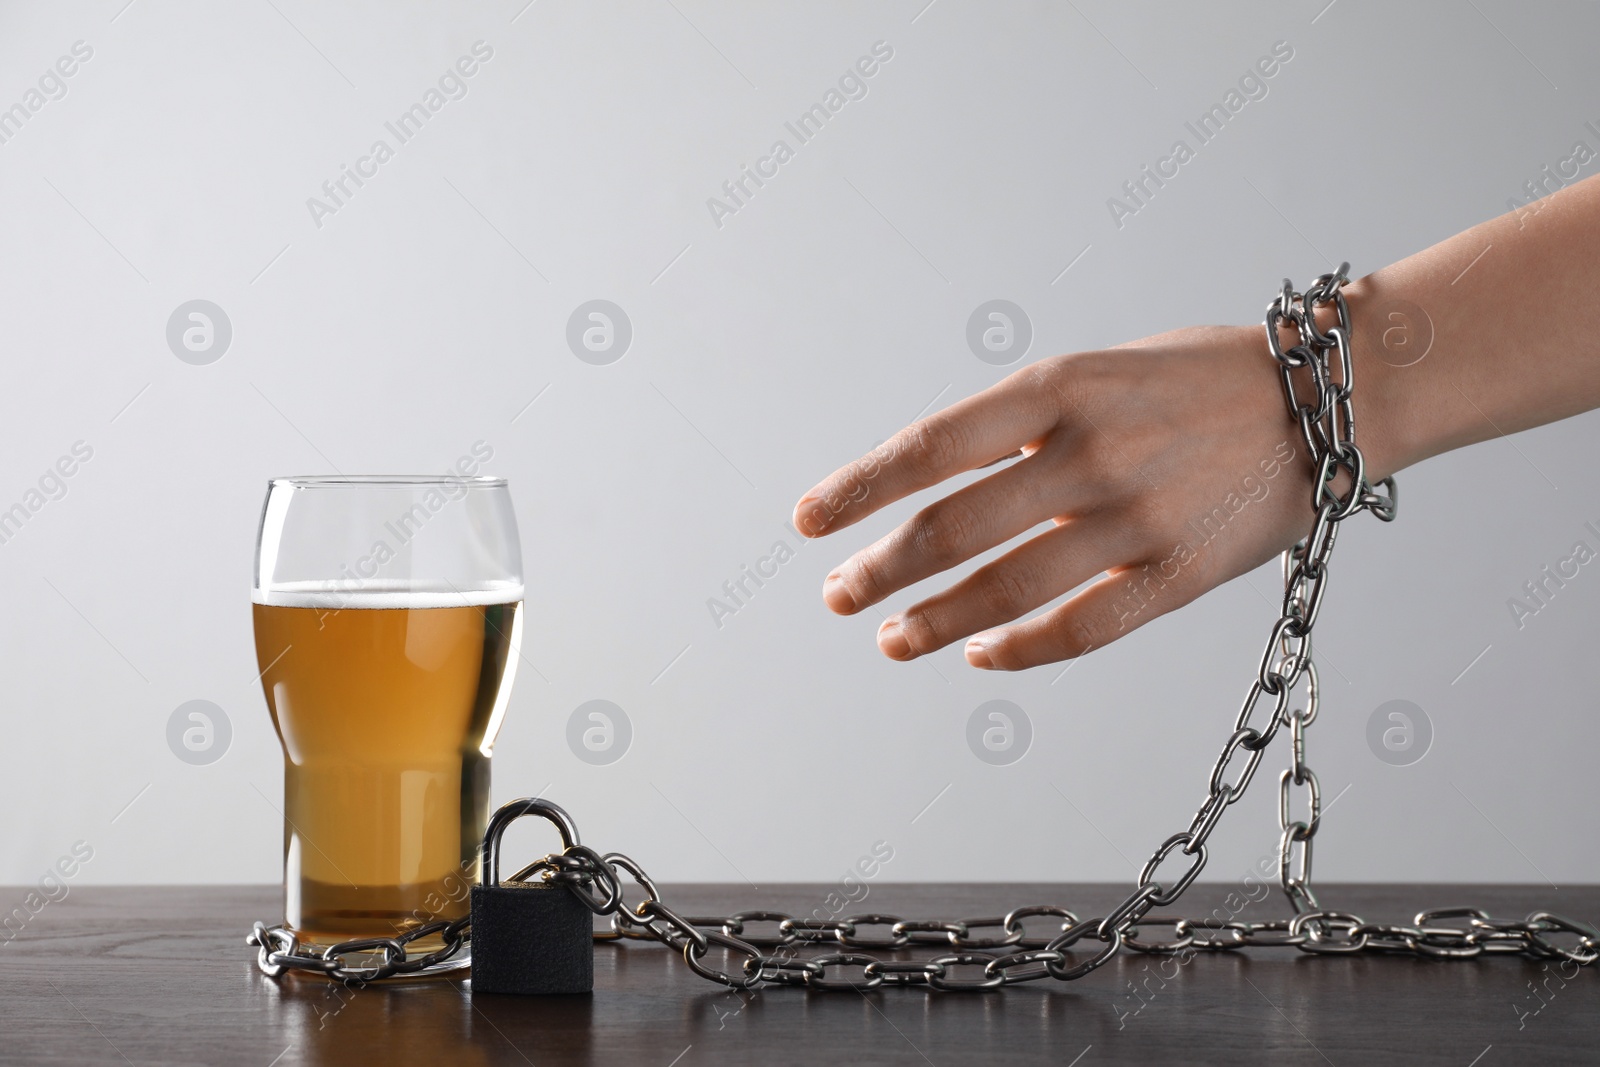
(281, 951)
(1318, 382)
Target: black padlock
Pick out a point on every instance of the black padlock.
(529, 937)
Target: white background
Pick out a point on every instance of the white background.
(827, 313)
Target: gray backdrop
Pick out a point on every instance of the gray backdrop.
(772, 339)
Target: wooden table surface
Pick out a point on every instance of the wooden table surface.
(162, 976)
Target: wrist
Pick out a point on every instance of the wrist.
(1389, 338)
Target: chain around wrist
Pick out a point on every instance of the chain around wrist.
(1323, 360)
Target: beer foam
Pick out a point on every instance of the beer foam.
(335, 595)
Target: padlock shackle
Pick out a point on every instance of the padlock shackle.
(509, 813)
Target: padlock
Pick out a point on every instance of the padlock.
(529, 937)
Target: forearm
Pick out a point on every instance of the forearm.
(1515, 333)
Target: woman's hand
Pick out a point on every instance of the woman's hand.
(1169, 465)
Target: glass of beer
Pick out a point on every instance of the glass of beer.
(387, 624)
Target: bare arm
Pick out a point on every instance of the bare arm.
(1513, 303)
(1170, 465)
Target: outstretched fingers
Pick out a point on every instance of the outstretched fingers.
(1034, 573)
(966, 435)
(951, 531)
(1119, 603)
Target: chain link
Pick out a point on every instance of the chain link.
(1317, 373)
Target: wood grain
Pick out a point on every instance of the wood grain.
(154, 975)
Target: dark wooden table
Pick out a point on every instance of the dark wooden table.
(162, 976)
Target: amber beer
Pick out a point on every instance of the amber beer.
(387, 705)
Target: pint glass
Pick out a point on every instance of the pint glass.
(387, 623)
